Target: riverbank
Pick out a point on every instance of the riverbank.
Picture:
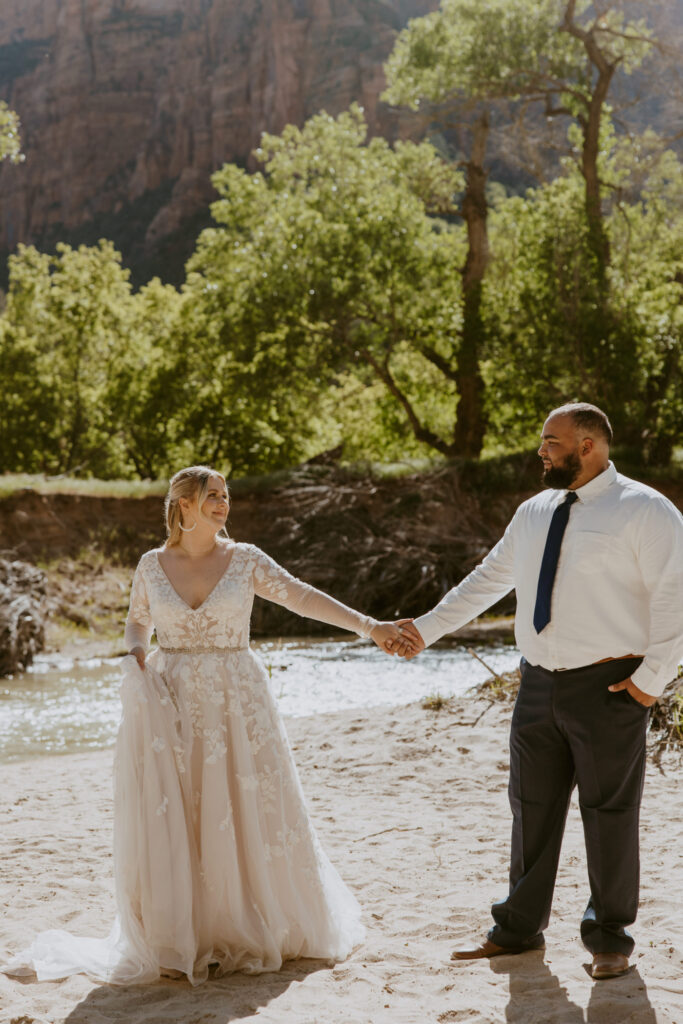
(411, 805)
(387, 545)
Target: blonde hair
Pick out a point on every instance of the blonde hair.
(187, 483)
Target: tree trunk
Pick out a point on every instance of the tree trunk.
(597, 234)
(470, 424)
(590, 126)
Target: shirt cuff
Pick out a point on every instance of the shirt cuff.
(429, 628)
(650, 681)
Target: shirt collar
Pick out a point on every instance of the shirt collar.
(598, 484)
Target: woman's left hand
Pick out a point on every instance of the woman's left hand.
(387, 635)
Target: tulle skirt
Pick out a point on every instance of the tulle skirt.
(215, 858)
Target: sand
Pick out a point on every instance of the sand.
(412, 807)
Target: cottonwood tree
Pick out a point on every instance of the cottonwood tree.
(539, 295)
(62, 335)
(468, 57)
(148, 387)
(335, 258)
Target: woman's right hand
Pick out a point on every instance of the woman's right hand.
(139, 655)
(389, 636)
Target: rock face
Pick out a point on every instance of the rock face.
(127, 106)
(22, 611)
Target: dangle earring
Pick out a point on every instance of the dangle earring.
(188, 529)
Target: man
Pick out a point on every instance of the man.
(596, 561)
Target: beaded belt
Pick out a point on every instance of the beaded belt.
(200, 650)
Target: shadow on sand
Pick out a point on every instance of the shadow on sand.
(222, 1000)
(537, 997)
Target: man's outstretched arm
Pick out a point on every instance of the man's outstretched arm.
(492, 579)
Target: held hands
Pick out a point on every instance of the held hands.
(389, 636)
(627, 684)
(410, 643)
(399, 637)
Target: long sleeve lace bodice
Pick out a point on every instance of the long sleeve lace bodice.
(222, 620)
(215, 858)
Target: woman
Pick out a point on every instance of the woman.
(216, 861)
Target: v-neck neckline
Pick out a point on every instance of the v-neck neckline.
(213, 588)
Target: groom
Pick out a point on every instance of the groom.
(596, 561)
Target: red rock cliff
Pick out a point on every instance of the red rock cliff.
(127, 106)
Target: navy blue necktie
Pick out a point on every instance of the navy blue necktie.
(551, 556)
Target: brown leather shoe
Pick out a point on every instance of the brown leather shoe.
(608, 965)
(488, 949)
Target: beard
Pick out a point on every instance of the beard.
(564, 473)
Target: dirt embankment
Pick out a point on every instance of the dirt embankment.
(388, 547)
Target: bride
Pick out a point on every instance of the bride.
(215, 858)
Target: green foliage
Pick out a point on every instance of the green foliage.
(147, 388)
(647, 278)
(539, 302)
(541, 307)
(328, 305)
(500, 49)
(564, 315)
(508, 49)
(10, 140)
(312, 272)
(65, 329)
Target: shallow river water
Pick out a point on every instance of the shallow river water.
(66, 707)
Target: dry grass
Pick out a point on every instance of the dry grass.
(436, 702)
(666, 723)
(10, 483)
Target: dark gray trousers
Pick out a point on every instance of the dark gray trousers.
(567, 729)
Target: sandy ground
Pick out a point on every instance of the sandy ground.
(411, 805)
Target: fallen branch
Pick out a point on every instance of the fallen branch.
(488, 668)
(396, 828)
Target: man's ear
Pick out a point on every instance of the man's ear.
(587, 446)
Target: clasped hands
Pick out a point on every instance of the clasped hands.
(399, 637)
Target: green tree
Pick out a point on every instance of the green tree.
(646, 276)
(335, 260)
(540, 294)
(464, 60)
(147, 387)
(64, 331)
(468, 58)
(10, 139)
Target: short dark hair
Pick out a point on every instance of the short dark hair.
(587, 417)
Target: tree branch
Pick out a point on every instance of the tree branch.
(421, 432)
(438, 360)
(632, 38)
(550, 111)
(587, 37)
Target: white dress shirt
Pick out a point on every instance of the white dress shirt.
(618, 588)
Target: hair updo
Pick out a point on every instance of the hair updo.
(187, 483)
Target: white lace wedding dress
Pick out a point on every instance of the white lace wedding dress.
(216, 860)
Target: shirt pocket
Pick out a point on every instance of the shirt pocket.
(590, 552)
